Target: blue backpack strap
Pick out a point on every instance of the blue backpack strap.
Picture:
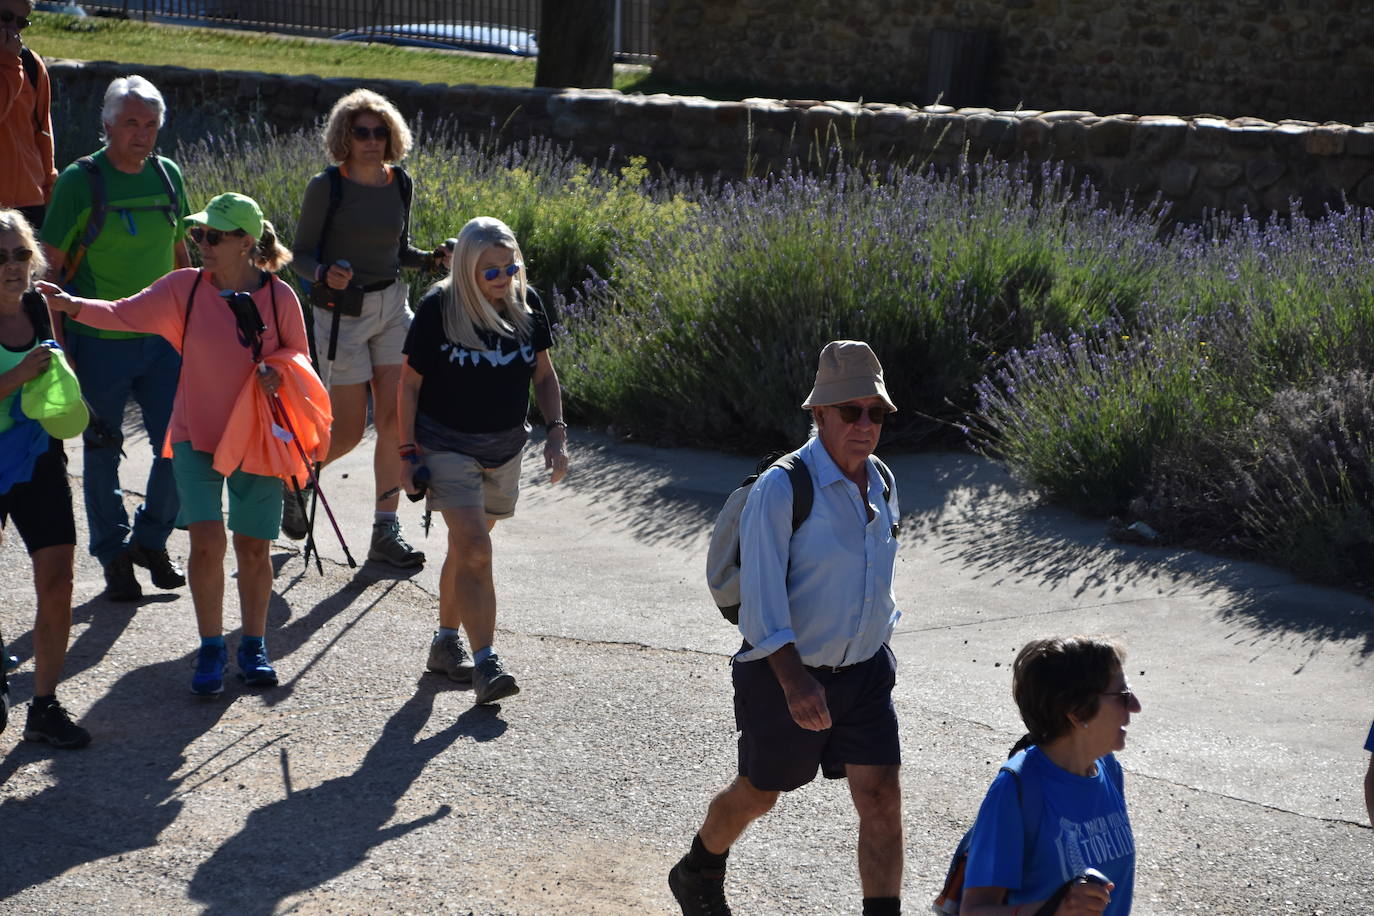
(1032, 801)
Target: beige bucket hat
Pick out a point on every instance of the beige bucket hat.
(848, 370)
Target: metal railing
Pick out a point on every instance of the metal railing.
(325, 18)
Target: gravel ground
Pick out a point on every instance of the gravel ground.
(362, 785)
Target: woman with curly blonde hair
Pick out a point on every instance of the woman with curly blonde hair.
(352, 239)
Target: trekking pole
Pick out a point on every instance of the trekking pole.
(310, 546)
(279, 415)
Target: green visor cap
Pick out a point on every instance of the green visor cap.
(54, 399)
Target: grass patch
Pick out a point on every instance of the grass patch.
(134, 42)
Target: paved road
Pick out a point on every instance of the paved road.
(362, 785)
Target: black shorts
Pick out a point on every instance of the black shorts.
(41, 507)
(778, 755)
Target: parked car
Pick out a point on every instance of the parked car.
(465, 36)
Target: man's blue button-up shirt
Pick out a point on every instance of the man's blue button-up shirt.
(828, 587)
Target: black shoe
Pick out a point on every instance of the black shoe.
(699, 893)
(390, 546)
(447, 656)
(120, 584)
(53, 724)
(166, 575)
(492, 682)
(294, 524)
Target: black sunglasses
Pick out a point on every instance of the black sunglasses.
(381, 132)
(19, 255)
(850, 413)
(211, 237)
(1127, 696)
(20, 22)
(491, 273)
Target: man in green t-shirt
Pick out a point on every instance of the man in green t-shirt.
(139, 241)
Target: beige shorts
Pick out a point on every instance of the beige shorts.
(374, 338)
(459, 482)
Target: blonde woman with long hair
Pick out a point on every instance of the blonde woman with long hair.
(480, 338)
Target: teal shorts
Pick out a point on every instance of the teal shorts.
(254, 500)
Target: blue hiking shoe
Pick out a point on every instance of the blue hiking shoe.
(208, 681)
(254, 668)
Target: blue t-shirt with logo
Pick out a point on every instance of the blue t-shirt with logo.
(1083, 824)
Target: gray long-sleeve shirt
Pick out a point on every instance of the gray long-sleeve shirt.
(365, 231)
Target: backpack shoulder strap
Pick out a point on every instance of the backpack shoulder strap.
(173, 214)
(335, 196)
(1032, 800)
(406, 188)
(886, 474)
(95, 219)
(30, 66)
(803, 491)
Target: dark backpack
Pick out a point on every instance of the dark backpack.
(100, 207)
(722, 556)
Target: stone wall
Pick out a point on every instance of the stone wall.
(1196, 164)
(1309, 59)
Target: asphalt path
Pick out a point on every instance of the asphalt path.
(363, 785)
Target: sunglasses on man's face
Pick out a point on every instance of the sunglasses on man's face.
(18, 255)
(491, 273)
(20, 22)
(380, 132)
(210, 237)
(850, 413)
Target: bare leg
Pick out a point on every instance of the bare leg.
(877, 794)
(734, 809)
(386, 460)
(255, 582)
(205, 570)
(349, 403)
(52, 580)
(467, 595)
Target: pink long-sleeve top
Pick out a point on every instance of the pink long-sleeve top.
(214, 365)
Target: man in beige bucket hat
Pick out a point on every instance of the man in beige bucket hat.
(813, 680)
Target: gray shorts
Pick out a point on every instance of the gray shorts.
(374, 338)
(460, 482)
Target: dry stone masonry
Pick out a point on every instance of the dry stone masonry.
(1195, 164)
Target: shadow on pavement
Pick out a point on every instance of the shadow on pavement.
(316, 834)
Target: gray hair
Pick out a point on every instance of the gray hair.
(127, 87)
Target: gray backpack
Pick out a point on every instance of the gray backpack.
(722, 556)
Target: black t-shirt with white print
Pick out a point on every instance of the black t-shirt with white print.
(474, 391)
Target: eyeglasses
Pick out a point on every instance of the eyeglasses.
(20, 22)
(491, 273)
(1127, 696)
(211, 237)
(18, 255)
(380, 132)
(850, 413)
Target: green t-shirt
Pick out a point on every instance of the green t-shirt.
(135, 246)
(8, 360)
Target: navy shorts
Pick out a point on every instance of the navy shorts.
(41, 507)
(778, 755)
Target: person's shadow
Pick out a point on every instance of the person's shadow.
(317, 834)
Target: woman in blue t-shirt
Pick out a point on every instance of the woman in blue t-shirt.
(479, 339)
(1073, 696)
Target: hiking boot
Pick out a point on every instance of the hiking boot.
(491, 681)
(294, 524)
(254, 668)
(120, 584)
(166, 575)
(208, 681)
(390, 546)
(53, 724)
(699, 893)
(447, 656)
